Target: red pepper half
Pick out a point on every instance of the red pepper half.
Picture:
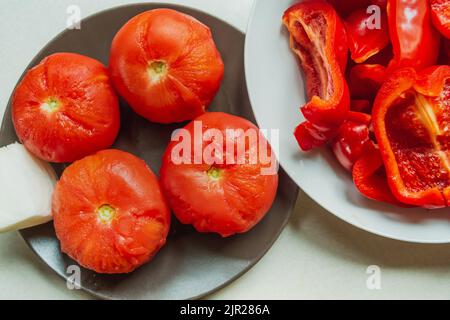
(411, 122)
(414, 39)
(364, 38)
(440, 15)
(365, 80)
(318, 38)
(370, 178)
(352, 139)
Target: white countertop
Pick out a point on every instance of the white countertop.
(316, 257)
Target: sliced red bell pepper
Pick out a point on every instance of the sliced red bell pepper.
(414, 39)
(361, 105)
(318, 38)
(381, 3)
(345, 7)
(370, 178)
(440, 15)
(383, 57)
(352, 139)
(411, 122)
(365, 40)
(444, 56)
(365, 80)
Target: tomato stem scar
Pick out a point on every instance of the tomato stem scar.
(157, 70)
(214, 173)
(50, 105)
(106, 213)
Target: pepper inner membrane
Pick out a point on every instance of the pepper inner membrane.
(418, 129)
(309, 42)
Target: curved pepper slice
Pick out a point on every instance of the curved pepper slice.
(364, 40)
(365, 80)
(440, 15)
(414, 39)
(370, 179)
(411, 122)
(352, 139)
(318, 38)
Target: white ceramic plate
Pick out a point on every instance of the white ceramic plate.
(276, 91)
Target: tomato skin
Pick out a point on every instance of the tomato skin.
(190, 66)
(139, 226)
(230, 204)
(87, 117)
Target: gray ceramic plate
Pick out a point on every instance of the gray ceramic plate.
(191, 265)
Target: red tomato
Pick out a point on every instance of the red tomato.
(440, 15)
(109, 213)
(65, 108)
(166, 66)
(224, 198)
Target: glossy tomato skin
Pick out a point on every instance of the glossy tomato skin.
(65, 108)
(234, 198)
(166, 66)
(116, 242)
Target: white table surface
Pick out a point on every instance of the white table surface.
(316, 257)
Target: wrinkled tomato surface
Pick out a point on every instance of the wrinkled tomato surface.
(220, 196)
(166, 66)
(65, 108)
(109, 213)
